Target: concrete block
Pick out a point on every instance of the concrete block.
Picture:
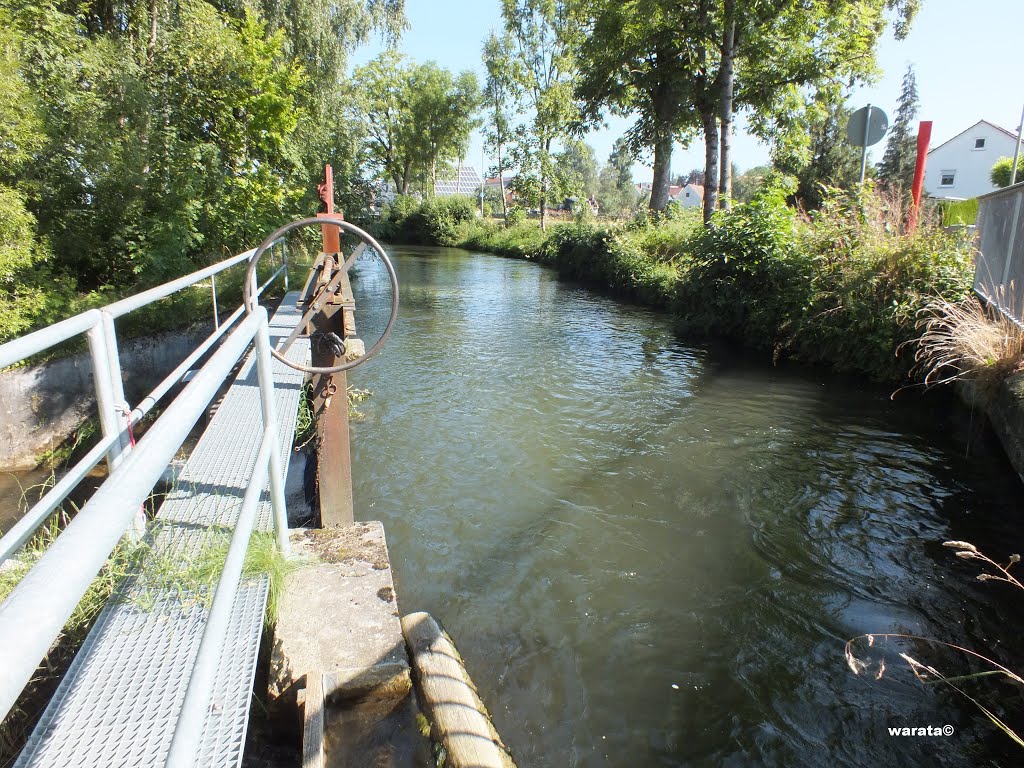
(339, 616)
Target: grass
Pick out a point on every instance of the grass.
(966, 340)
(139, 573)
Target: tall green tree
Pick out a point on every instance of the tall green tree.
(833, 161)
(416, 118)
(897, 166)
(544, 34)
(616, 193)
(638, 59)
(500, 101)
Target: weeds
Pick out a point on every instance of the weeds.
(964, 340)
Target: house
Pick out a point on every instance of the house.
(463, 180)
(959, 168)
(690, 196)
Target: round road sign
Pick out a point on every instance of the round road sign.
(872, 118)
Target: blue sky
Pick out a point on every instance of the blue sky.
(966, 54)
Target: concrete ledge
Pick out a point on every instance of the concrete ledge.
(339, 616)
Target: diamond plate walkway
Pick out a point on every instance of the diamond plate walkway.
(119, 702)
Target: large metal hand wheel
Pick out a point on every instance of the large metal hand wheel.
(315, 303)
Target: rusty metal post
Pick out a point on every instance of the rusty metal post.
(330, 392)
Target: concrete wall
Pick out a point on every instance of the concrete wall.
(41, 406)
(970, 166)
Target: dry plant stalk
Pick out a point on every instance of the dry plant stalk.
(966, 341)
(927, 674)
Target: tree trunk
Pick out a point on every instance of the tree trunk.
(662, 171)
(151, 44)
(709, 124)
(501, 184)
(544, 186)
(727, 80)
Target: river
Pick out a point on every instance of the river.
(651, 553)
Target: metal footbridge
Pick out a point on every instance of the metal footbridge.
(165, 676)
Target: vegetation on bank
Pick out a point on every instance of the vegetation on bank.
(843, 286)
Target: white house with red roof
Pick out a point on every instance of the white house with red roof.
(690, 196)
(959, 168)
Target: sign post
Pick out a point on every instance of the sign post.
(866, 127)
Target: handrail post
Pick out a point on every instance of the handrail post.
(213, 291)
(265, 376)
(106, 403)
(284, 260)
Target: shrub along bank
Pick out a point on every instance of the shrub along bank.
(843, 286)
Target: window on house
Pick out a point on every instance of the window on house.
(947, 178)
(687, 194)
(979, 143)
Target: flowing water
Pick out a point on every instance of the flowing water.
(652, 553)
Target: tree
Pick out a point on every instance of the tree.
(749, 183)
(1000, 173)
(442, 111)
(499, 99)
(414, 117)
(695, 176)
(637, 59)
(897, 166)
(576, 169)
(616, 193)
(833, 160)
(544, 34)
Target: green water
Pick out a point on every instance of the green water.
(652, 553)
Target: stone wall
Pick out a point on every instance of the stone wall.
(42, 405)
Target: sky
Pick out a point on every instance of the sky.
(966, 56)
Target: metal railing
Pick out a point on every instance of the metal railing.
(117, 419)
(999, 272)
(33, 615)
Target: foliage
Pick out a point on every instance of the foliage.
(416, 117)
(1001, 171)
(436, 220)
(616, 193)
(747, 184)
(899, 160)
(746, 275)
(843, 286)
(143, 141)
(542, 34)
(958, 212)
(832, 160)
(499, 97)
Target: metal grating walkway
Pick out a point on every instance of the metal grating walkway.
(118, 703)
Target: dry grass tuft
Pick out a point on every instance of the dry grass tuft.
(967, 341)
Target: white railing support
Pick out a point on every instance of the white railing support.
(265, 376)
(34, 613)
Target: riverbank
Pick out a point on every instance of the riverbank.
(842, 287)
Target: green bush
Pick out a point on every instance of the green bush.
(1000, 173)
(515, 216)
(958, 212)
(746, 277)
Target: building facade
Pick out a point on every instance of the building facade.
(960, 168)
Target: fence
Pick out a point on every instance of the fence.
(33, 615)
(999, 274)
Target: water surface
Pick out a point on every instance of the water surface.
(652, 553)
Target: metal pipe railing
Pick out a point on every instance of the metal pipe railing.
(101, 334)
(33, 615)
(188, 730)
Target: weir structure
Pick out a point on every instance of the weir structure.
(165, 676)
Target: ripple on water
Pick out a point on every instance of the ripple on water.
(599, 513)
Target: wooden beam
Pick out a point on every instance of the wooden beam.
(313, 722)
(459, 717)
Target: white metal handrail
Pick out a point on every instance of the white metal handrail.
(33, 615)
(116, 418)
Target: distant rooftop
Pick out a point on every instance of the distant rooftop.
(463, 180)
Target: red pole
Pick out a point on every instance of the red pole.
(330, 233)
(924, 136)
